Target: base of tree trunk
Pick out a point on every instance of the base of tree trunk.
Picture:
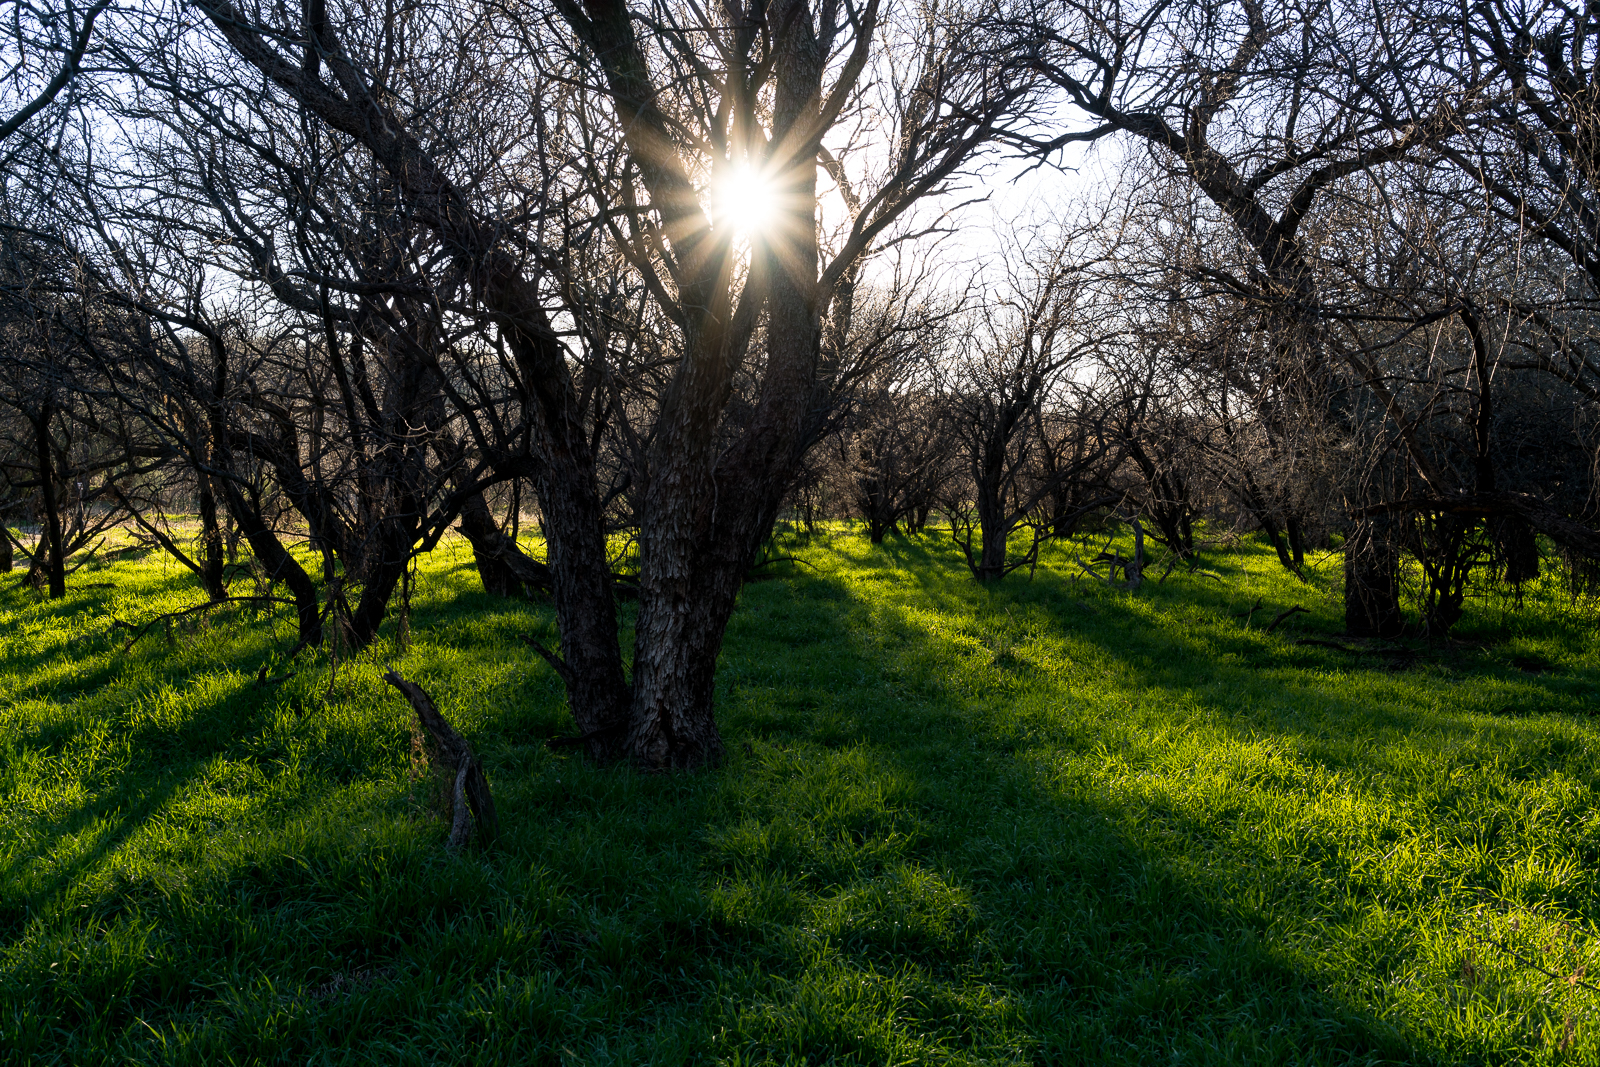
(676, 742)
(503, 567)
(1371, 582)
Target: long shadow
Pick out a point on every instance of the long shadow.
(1121, 949)
(166, 759)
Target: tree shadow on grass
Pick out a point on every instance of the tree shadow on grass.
(933, 836)
(941, 845)
(167, 760)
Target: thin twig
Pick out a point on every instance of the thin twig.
(1282, 615)
(118, 624)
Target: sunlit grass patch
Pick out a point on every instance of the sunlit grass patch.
(1052, 821)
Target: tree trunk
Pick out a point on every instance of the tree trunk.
(1135, 569)
(992, 530)
(992, 558)
(1297, 542)
(384, 569)
(580, 571)
(688, 580)
(213, 552)
(278, 563)
(55, 570)
(678, 637)
(1371, 580)
(1269, 526)
(492, 550)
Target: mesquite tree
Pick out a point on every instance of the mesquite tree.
(1010, 381)
(668, 113)
(1265, 109)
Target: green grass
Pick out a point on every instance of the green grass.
(1046, 823)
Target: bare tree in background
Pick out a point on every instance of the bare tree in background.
(893, 446)
(1009, 384)
(1264, 109)
(53, 454)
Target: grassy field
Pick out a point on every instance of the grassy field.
(1050, 822)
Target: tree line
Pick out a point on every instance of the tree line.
(347, 277)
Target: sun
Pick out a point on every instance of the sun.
(744, 200)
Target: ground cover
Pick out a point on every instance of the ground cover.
(1048, 822)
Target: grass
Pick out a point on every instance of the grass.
(1050, 822)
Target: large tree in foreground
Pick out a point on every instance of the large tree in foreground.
(665, 104)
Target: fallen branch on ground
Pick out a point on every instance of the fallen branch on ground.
(448, 751)
(1282, 615)
(263, 682)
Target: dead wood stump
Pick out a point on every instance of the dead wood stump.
(449, 752)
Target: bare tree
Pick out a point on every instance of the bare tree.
(1013, 379)
(41, 50)
(698, 97)
(54, 455)
(1265, 110)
